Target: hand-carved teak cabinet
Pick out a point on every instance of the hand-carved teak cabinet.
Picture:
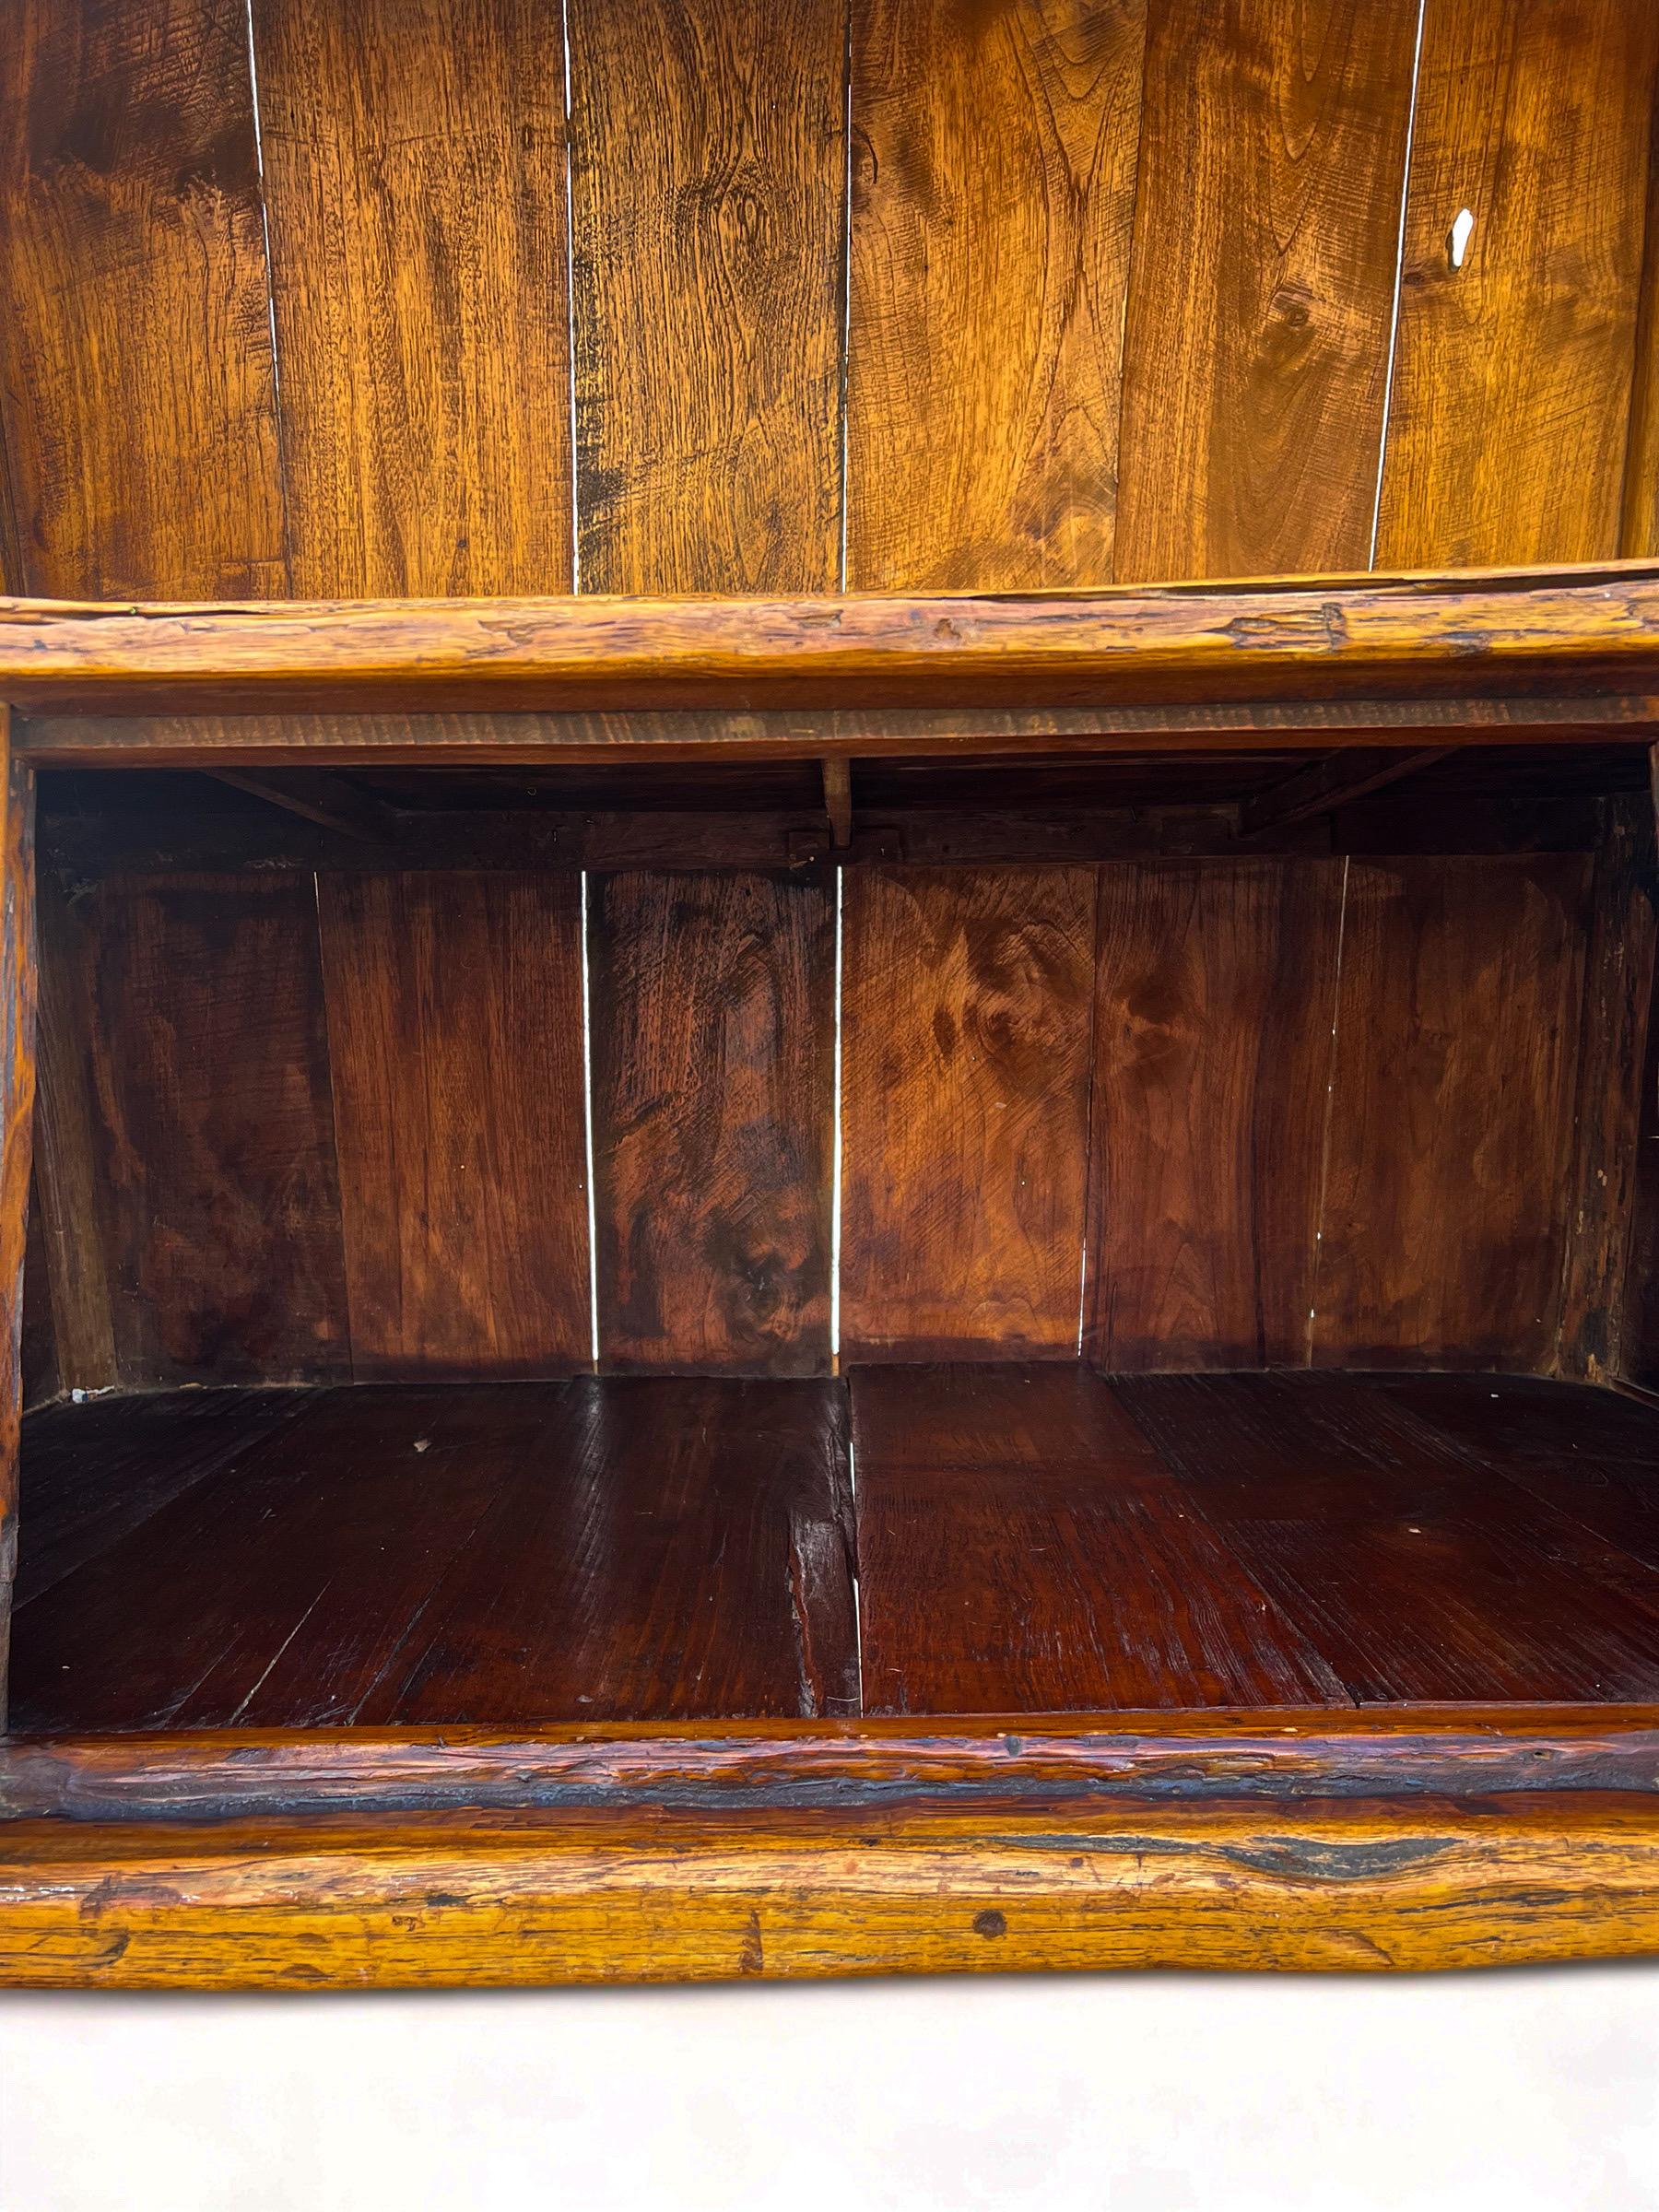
(774, 1201)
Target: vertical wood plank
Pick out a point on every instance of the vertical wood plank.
(1605, 1158)
(137, 376)
(17, 1124)
(1512, 375)
(993, 197)
(1216, 987)
(210, 1075)
(454, 1020)
(707, 226)
(1446, 1192)
(414, 173)
(965, 1110)
(1273, 145)
(713, 1058)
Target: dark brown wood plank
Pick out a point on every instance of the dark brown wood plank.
(415, 176)
(965, 1110)
(1022, 1550)
(454, 1019)
(1513, 372)
(17, 964)
(707, 224)
(94, 1471)
(993, 197)
(1217, 991)
(712, 1016)
(138, 386)
(1272, 145)
(1605, 1173)
(1446, 1190)
(1412, 1570)
(215, 1128)
(674, 1549)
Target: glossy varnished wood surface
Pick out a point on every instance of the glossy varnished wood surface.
(454, 1019)
(657, 1549)
(993, 193)
(713, 1012)
(964, 1109)
(17, 996)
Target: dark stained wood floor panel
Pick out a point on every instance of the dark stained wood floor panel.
(504, 1553)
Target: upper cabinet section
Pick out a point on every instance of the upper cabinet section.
(506, 297)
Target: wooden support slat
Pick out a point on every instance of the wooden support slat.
(317, 796)
(138, 383)
(1216, 987)
(1514, 369)
(1327, 784)
(454, 1017)
(706, 231)
(965, 1110)
(711, 1019)
(993, 195)
(1444, 1226)
(414, 174)
(17, 965)
(1266, 220)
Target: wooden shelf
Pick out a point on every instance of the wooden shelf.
(1031, 1539)
(1510, 653)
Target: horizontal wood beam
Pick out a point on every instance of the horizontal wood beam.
(1478, 635)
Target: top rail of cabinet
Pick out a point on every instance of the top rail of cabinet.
(1496, 655)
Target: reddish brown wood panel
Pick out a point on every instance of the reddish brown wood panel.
(1273, 146)
(1216, 987)
(454, 1020)
(707, 222)
(712, 1009)
(1513, 371)
(415, 176)
(1022, 1550)
(137, 385)
(992, 172)
(1445, 1221)
(965, 1110)
(17, 1132)
(210, 1074)
(507, 1554)
(1416, 1573)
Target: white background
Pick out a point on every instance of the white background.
(1513, 2090)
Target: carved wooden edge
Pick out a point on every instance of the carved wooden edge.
(452, 1898)
(1480, 634)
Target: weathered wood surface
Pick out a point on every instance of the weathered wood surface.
(1446, 635)
(964, 1111)
(410, 1901)
(18, 966)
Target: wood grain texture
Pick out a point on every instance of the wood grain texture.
(139, 388)
(209, 1058)
(1217, 992)
(455, 1022)
(993, 196)
(68, 1154)
(965, 1110)
(712, 1105)
(1416, 1573)
(1514, 372)
(1605, 1167)
(415, 178)
(1446, 1188)
(507, 1554)
(1272, 145)
(17, 964)
(407, 1902)
(1022, 1550)
(1356, 646)
(706, 226)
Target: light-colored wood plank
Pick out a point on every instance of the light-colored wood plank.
(993, 197)
(415, 176)
(1272, 145)
(1513, 371)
